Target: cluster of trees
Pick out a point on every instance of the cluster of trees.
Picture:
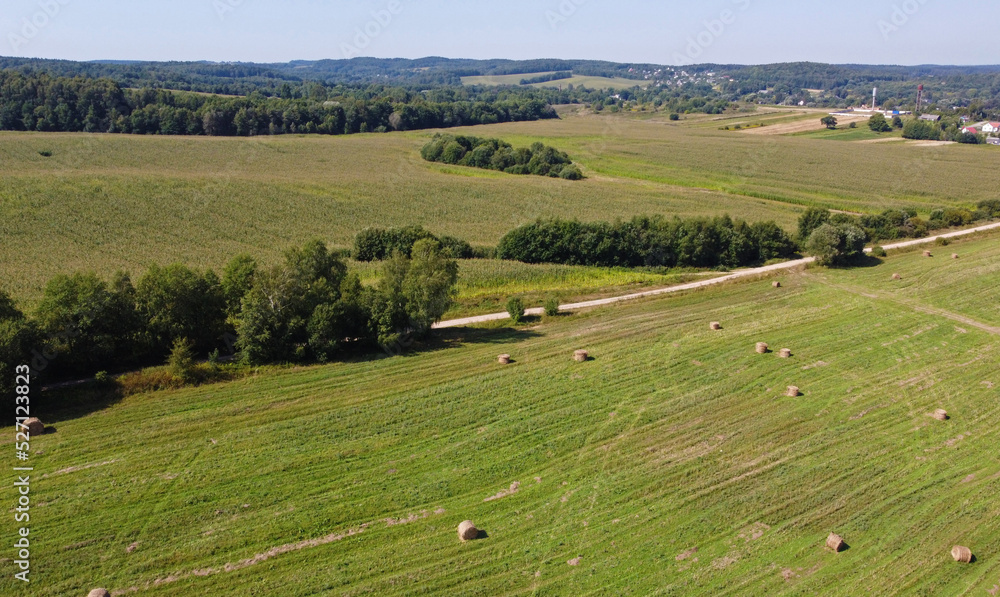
(556, 76)
(648, 241)
(378, 244)
(44, 103)
(894, 224)
(495, 154)
(308, 308)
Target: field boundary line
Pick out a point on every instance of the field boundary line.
(757, 271)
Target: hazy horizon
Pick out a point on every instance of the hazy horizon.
(880, 32)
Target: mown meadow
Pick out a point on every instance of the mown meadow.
(671, 463)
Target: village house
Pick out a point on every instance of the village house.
(991, 127)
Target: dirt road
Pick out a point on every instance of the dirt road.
(749, 273)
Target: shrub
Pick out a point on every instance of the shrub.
(836, 244)
(853, 125)
(515, 308)
(991, 207)
(571, 173)
(377, 244)
(457, 248)
(45, 153)
(181, 363)
(675, 116)
(942, 242)
(811, 219)
(879, 124)
(878, 252)
(551, 306)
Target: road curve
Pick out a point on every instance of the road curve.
(453, 323)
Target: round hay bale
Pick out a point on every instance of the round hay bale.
(467, 531)
(581, 356)
(99, 593)
(835, 542)
(715, 325)
(762, 348)
(35, 426)
(785, 353)
(776, 284)
(954, 255)
(897, 277)
(793, 392)
(504, 359)
(940, 414)
(961, 554)
(928, 254)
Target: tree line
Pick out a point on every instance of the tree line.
(44, 103)
(308, 308)
(496, 154)
(648, 241)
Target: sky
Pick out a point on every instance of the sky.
(666, 32)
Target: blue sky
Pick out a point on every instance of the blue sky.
(670, 32)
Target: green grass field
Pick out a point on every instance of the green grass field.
(108, 202)
(484, 285)
(670, 464)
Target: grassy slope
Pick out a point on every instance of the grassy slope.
(106, 202)
(673, 438)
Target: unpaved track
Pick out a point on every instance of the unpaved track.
(749, 273)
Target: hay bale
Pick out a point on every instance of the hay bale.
(940, 414)
(581, 356)
(785, 353)
(835, 542)
(762, 348)
(35, 426)
(897, 277)
(954, 255)
(99, 593)
(467, 531)
(961, 554)
(715, 325)
(776, 284)
(793, 392)
(504, 359)
(928, 254)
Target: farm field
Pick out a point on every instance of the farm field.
(110, 202)
(576, 80)
(485, 284)
(671, 463)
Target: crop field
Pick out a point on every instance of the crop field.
(576, 80)
(485, 284)
(110, 202)
(671, 463)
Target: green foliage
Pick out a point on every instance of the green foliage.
(376, 244)
(495, 154)
(878, 252)
(675, 116)
(88, 323)
(921, 129)
(836, 244)
(41, 102)
(991, 207)
(178, 302)
(551, 306)
(237, 279)
(647, 242)
(897, 122)
(811, 219)
(19, 337)
(181, 363)
(879, 124)
(829, 122)
(515, 308)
